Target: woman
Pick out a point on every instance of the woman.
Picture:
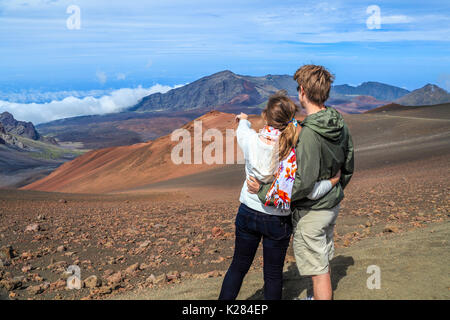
(269, 153)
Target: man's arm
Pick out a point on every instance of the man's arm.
(348, 167)
(308, 166)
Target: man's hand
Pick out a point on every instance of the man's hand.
(335, 180)
(242, 116)
(253, 185)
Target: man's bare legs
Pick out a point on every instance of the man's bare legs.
(322, 286)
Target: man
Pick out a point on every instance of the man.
(324, 147)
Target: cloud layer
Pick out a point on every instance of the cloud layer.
(72, 106)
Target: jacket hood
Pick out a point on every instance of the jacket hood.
(328, 123)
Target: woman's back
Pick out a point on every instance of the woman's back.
(258, 163)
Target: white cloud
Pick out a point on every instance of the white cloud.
(396, 19)
(71, 106)
(101, 77)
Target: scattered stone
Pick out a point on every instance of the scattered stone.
(108, 272)
(151, 279)
(33, 228)
(58, 266)
(390, 229)
(145, 244)
(105, 290)
(173, 276)
(115, 279)
(220, 259)
(216, 231)
(132, 269)
(58, 285)
(62, 201)
(61, 249)
(160, 279)
(27, 268)
(144, 266)
(10, 284)
(92, 282)
(6, 253)
(38, 289)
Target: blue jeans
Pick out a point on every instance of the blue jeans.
(251, 226)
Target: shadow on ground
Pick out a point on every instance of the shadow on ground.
(294, 285)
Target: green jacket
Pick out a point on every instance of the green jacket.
(324, 146)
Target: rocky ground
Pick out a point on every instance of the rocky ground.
(126, 242)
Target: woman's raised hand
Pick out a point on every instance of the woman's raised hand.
(242, 116)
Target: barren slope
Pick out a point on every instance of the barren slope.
(121, 168)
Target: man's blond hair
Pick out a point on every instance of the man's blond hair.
(316, 82)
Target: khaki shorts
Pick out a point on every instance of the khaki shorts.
(313, 239)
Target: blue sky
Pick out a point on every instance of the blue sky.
(126, 44)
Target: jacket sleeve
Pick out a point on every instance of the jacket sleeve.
(308, 164)
(243, 132)
(348, 167)
(320, 189)
(264, 188)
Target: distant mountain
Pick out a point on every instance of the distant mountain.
(377, 90)
(160, 113)
(2, 132)
(20, 128)
(428, 95)
(220, 89)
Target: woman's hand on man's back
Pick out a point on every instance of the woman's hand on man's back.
(253, 185)
(335, 180)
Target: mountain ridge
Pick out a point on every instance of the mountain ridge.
(21, 128)
(226, 88)
(430, 94)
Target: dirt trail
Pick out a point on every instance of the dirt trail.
(413, 265)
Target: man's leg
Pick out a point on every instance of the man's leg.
(322, 283)
(322, 286)
(313, 247)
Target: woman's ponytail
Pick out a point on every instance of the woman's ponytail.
(288, 140)
(279, 113)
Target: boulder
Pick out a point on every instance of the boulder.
(92, 282)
